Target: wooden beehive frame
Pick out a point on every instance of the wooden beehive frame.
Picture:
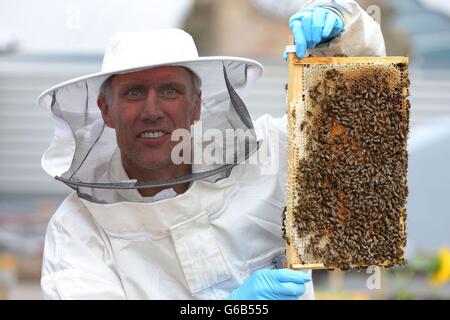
(295, 92)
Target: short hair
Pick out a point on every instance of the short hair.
(106, 90)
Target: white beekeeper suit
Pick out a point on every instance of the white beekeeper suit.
(201, 244)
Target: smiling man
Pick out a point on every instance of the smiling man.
(140, 225)
(144, 108)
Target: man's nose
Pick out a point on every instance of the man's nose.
(152, 109)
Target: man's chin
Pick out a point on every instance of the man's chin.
(155, 166)
(161, 164)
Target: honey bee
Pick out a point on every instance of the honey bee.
(302, 125)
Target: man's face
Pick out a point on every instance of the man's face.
(145, 108)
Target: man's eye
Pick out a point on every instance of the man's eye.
(170, 92)
(134, 92)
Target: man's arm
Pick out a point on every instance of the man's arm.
(77, 263)
(361, 35)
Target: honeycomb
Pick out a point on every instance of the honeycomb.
(348, 123)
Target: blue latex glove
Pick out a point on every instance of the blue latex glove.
(312, 26)
(272, 284)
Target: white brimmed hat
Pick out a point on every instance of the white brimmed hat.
(81, 136)
(134, 51)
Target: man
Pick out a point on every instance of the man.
(142, 225)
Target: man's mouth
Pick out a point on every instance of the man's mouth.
(152, 134)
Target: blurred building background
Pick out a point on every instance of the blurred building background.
(46, 42)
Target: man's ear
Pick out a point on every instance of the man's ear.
(105, 110)
(197, 107)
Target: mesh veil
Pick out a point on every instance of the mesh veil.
(222, 109)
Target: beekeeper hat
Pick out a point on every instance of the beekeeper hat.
(83, 144)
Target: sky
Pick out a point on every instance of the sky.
(82, 26)
(441, 5)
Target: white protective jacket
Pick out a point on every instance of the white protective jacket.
(201, 244)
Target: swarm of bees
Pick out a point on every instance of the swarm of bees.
(351, 180)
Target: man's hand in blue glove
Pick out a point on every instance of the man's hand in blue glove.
(272, 284)
(312, 26)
